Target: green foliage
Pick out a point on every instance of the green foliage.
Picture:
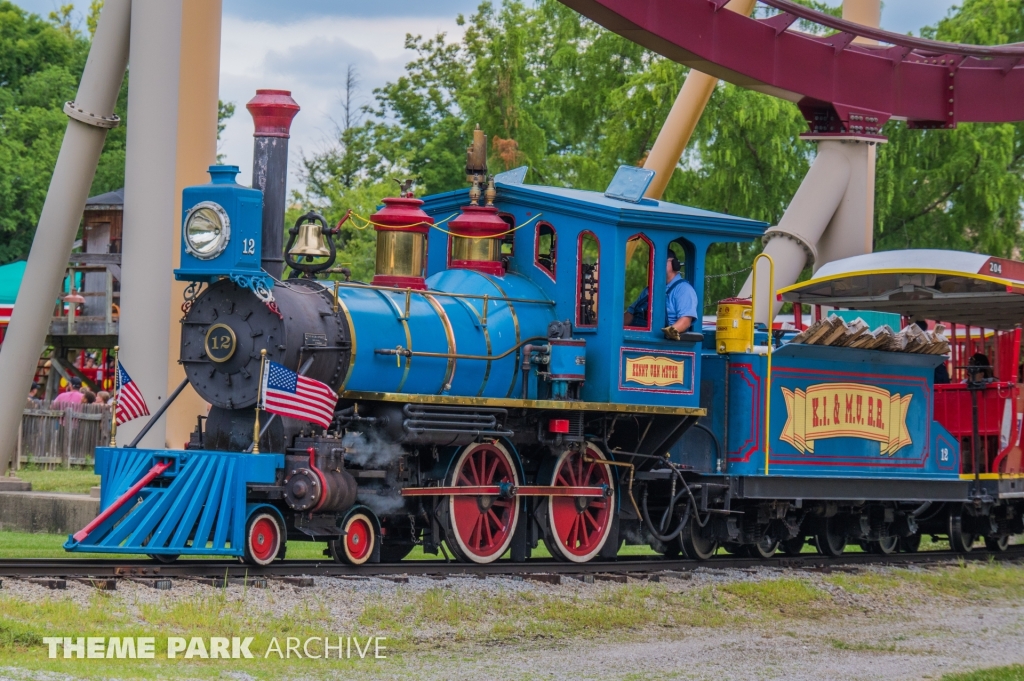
(574, 101)
(1014, 672)
(93, 19)
(40, 66)
(225, 110)
(963, 188)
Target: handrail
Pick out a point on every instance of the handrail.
(768, 370)
(923, 44)
(447, 294)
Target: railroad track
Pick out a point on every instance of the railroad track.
(105, 573)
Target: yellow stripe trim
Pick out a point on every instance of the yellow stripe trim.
(457, 400)
(992, 476)
(864, 273)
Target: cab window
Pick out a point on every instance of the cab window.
(638, 283)
(544, 249)
(508, 244)
(588, 279)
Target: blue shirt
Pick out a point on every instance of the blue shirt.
(681, 300)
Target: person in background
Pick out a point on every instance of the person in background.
(35, 396)
(984, 368)
(102, 397)
(73, 396)
(88, 396)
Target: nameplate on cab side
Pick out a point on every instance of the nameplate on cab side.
(846, 410)
(654, 371)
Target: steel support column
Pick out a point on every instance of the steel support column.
(91, 117)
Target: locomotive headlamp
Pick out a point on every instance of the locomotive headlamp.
(207, 230)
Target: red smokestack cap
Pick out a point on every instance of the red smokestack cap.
(272, 111)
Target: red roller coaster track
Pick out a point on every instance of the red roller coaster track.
(841, 87)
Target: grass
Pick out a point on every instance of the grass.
(69, 480)
(970, 581)
(23, 626)
(1013, 672)
(780, 598)
(444, 618)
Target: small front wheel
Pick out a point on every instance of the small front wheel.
(356, 545)
(263, 539)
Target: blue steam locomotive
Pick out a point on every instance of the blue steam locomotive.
(512, 375)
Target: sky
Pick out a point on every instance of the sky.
(306, 45)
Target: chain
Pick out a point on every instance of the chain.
(711, 306)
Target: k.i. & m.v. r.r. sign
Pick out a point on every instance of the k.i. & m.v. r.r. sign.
(830, 410)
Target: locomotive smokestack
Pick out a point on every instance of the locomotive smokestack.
(272, 112)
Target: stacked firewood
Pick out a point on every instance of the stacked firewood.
(836, 332)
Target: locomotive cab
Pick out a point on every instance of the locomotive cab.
(594, 256)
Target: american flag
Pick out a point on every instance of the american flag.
(130, 402)
(288, 394)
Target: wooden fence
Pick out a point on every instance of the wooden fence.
(64, 438)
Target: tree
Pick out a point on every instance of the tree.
(574, 101)
(963, 188)
(40, 66)
(225, 110)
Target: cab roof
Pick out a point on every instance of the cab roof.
(647, 213)
(951, 286)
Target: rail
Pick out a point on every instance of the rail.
(542, 569)
(933, 47)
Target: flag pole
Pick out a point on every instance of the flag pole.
(259, 393)
(113, 402)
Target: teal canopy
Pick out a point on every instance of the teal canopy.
(10, 281)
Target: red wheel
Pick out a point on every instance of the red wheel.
(479, 528)
(578, 527)
(262, 539)
(356, 546)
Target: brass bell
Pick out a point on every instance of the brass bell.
(310, 242)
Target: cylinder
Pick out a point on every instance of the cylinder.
(272, 113)
(734, 325)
